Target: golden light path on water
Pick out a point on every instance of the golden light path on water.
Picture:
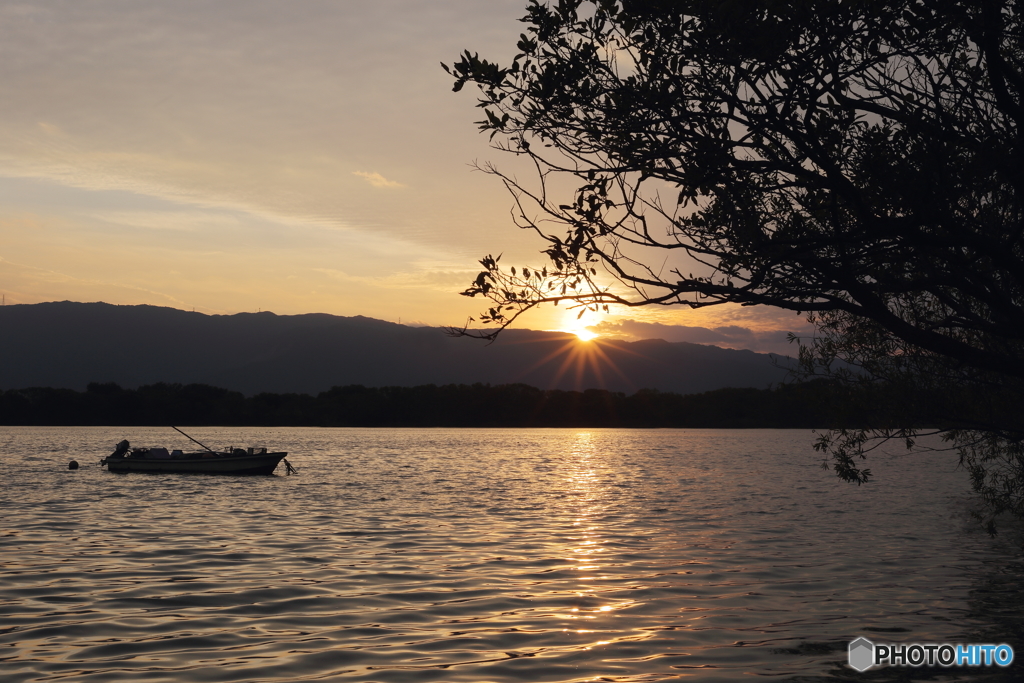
(583, 482)
(483, 555)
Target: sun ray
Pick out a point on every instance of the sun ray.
(610, 364)
(563, 349)
(571, 361)
(577, 360)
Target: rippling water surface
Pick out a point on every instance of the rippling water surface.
(480, 555)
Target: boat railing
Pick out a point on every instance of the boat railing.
(146, 453)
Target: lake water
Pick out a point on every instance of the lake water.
(485, 555)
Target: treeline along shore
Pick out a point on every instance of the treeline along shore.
(804, 405)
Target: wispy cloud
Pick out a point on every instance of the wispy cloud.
(445, 281)
(377, 180)
(27, 284)
(726, 336)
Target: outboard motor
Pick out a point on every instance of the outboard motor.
(122, 448)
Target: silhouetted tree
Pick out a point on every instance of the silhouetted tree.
(858, 161)
(451, 405)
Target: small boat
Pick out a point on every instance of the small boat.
(233, 461)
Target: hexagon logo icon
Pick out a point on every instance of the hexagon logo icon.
(862, 654)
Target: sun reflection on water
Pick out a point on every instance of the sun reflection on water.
(586, 553)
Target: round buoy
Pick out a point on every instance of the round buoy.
(73, 465)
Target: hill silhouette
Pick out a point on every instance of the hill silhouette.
(68, 345)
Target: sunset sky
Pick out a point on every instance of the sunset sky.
(245, 155)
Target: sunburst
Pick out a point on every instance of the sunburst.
(577, 324)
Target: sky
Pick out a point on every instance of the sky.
(297, 157)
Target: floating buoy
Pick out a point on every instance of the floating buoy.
(73, 465)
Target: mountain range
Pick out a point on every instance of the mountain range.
(68, 344)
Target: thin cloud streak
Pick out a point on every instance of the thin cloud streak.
(726, 336)
(376, 179)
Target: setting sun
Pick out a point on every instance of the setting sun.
(573, 323)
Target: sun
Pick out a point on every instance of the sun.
(574, 324)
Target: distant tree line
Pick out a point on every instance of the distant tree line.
(803, 405)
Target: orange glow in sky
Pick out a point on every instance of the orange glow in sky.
(251, 157)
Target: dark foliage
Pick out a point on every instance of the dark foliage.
(478, 405)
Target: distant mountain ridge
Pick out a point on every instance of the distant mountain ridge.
(69, 344)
